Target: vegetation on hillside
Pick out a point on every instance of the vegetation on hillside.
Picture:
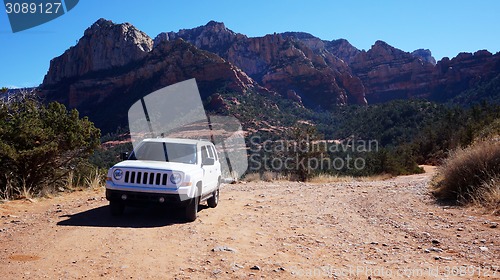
(484, 92)
(407, 133)
(41, 144)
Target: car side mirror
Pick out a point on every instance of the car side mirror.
(124, 156)
(208, 161)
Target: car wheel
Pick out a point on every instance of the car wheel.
(192, 209)
(214, 200)
(116, 208)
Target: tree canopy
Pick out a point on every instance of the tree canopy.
(40, 144)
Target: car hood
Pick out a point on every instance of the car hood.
(156, 165)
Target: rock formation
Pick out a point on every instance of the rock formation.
(281, 62)
(104, 45)
(105, 90)
(113, 65)
(425, 55)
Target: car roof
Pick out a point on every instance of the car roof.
(178, 140)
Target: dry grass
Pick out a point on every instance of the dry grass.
(252, 177)
(471, 175)
(25, 193)
(325, 178)
(489, 196)
(70, 183)
(94, 180)
(269, 176)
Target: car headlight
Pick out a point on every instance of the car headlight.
(175, 178)
(117, 174)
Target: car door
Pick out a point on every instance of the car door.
(209, 170)
(217, 167)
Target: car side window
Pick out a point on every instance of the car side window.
(204, 153)
(210, 152)
(213, 153)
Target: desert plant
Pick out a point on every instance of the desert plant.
(268, 176)
(302, 136)
(40, 144)
(95, 179)
(252, 177)
(70, 180)
(470, 174)
(489, 195)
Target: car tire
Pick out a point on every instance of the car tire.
(214, 199)
(192, 209)
(116, 208)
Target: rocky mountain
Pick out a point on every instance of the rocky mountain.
(340, 48)
(345, 73)
(113, 65)
(105, 93)
(281, 62)
(425, 55)
(465, 71)
(389, 73)
(104, 45)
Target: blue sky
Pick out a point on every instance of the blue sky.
(444, 27)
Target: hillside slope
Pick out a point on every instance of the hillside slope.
(115, 64)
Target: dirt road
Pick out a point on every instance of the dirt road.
(388, 229)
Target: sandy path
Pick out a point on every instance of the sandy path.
(356, 230)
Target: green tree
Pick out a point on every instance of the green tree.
(40, 144)
(303, 137)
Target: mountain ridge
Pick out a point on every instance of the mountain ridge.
(318, 74)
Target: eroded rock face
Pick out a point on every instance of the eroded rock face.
(104, 45)
(113, 91)
(342, 49)
(113, 65)
(213, 37)
(453, 76)
(388, 73)
(425, 55)
(282, 62)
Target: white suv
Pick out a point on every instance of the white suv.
(166, 171)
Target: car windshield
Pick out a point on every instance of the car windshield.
(161, 151)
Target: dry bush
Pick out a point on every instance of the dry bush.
(70, 180)
(268, 176)
(283, 177)
(94, 180)
(252, 177)
(326, 178)
(471, 175)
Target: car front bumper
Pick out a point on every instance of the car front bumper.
(145, 198)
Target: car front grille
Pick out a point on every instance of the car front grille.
(146, 178)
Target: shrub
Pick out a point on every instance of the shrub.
(302, 135)
(268, 176)
(470, 175)
(252, 177)
(40, 144)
